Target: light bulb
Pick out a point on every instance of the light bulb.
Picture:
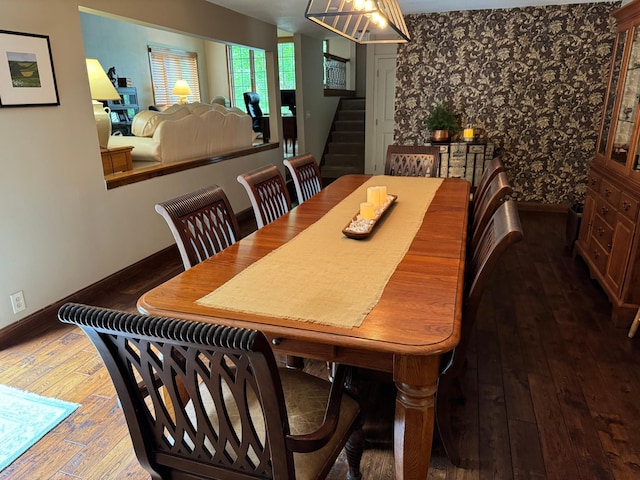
(378, 19)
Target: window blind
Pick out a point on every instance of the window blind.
(169, 65)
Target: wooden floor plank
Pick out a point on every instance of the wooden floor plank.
(554, 438)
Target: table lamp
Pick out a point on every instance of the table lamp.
(181, 88)
(101, 89)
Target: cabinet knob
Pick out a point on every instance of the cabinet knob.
(604, 210)
(593, 181)
(276, 341)
(600, 231)
(596, 254)
(607, 192)
(626, 206)
(609, 245)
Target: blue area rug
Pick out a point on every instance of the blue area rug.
(24, 419)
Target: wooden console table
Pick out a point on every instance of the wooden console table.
(116, 159)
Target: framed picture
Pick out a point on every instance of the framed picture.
(26, 70)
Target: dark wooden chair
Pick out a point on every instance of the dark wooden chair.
(412, 161)
(495, 166)
(494, 194)
(305, 173)
(502, 231)
(202, 223)
(204, 401)
(268, 193)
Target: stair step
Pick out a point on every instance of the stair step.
(348, 125)
(353, 104)
(357, 115)
(344, 159)
(345, 147)
(348, 137)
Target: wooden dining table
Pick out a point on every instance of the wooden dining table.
(416, 319)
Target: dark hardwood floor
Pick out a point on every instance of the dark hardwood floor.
(551, 387)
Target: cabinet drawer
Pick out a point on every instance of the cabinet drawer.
(594, 181)
(121, 161)
(598, 256)
(606, 211)
(609, 192)
(602, 233)
(628, 206)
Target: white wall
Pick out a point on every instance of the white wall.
(315, 112)
(61, 230)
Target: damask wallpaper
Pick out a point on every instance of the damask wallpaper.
(533, 79)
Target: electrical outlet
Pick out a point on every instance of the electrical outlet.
(17, 302)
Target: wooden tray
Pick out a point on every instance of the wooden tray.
(367, 225)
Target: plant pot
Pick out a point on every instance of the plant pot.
(440, 135)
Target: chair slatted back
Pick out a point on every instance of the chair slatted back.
(412, 161)
(502, 231)
(495, 193)
(305, 173)
(268, 193)
(202, 223)
(495, 166)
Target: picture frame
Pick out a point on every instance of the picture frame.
(27, 76)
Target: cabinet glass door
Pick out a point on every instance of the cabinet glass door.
(628, 105)
(613, 92)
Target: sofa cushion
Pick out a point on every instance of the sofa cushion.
(144, 124)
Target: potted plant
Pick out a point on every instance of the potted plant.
(442, 122)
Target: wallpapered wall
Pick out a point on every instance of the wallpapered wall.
(533, 78)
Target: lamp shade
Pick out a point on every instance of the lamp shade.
(181, 88)
(363, 21)
(101, 89)
(101, 86)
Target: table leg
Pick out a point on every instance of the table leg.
(416, 379)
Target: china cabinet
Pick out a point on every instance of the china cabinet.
(608, 239)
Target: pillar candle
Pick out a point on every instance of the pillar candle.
(367, 211)
(373, 196)
(468, 133)
(382, 190)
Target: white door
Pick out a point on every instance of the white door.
(380, 108)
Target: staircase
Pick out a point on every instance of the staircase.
(344, 152)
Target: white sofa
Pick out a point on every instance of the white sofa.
(186, 132)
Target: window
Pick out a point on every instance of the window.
(248, 73)
(169, 65)
(287, 65)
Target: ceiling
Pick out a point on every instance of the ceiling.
(288, 15)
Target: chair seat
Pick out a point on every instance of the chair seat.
(306, 400)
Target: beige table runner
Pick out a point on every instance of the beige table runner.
(324, 277)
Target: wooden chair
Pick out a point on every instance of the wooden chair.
(237, 416)
(495, 193)
(495, 166)
(202, 223)
(412, 161)
(502, 231)
(305, 173)
(268, 193)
